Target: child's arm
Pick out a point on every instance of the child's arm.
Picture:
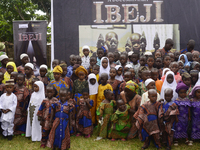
(88, 103)
(25, 103)
(52, 115)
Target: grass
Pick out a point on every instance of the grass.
(81, 143)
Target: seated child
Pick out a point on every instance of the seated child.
(4, 60)
(184, 105)
(102, 87)
(11, 67)
(8, 103)
(120, 122)
(24, 59)
(42, 77)
(28, 75)
(61, 113)
(170, 116)
(33, 127)
(93, 62)
(150, 84)
(73, 60)
(154, 76)
(104, 112)
(84, 118)
(23, 98)
(148, 120)
(86, 58)
(44, 113)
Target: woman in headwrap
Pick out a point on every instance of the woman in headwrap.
(133, 100)
(11, 67)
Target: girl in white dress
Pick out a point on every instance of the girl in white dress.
(33, 127)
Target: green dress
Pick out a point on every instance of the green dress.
(120, 124)
(105, 111)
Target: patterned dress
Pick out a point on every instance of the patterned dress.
(50, 75)
(142, 88)
(148, 119)
(195, 109)
(59, 135)
(23, 98)
(58, 85)
(69, 71)
(120, 124)
(28, 82)
(72, 104)
(115, 85)
(84, 118)
(69, 82)
(182, 124)
(105, 111)
(44, 113)
(45, 80)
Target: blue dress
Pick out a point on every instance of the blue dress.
(69, 71)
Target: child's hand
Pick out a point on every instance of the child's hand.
(161, 100)
(6, 111)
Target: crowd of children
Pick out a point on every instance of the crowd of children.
(154, 96)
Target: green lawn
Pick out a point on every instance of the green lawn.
(81, 143)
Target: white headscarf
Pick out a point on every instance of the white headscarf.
(44, 66)
(164, 70)
(129, 66)
(23, 55)
(198, 81)
(168, 85)
(38, 97)
(29, 65)
(93, 89)
(85, 47)
(2, 57)
(103, 70)
(117, 77)
(148, 81)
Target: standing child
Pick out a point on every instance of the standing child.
(24, 59)
(13, 75)
(23, 98)
(50, 75)
(86, 57)
(4, 61)
(184, 105)
(72, 59)
(93, 90)
(166, 61)
(100, 54)
(59, 136)
(95, 70)
(119, 76)
(110, 56)
(29, 75)
(186, 77)
(78, 60)
(149, 128)
(8, 103)
(123, 61)
(146, 74)
(154, 76)
(142, 60)
(33, 127)
(11, 67)
(120, 122)
(44, 114)
(84, 117)
(102, 87)
(174, 68)
(195, 109)
(170, 115)
(104, 112)
(74, 76)
(194, 76)
(134, 58)
(43, 77)
(79, 84)
(150, 62)
(159, 65)
(184, 59)
(105, 66)
(58, 82)
(93, 62)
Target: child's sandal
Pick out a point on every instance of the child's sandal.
(78, 134)
(87, 136)
(43, 146)
(112, 139)
(123, 139)
(175, 143)
(190, 143)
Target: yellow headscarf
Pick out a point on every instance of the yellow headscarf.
(79, 69)
(7, 75)
(58, 69)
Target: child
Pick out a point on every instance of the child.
(84, 118)
(146, 74)
(120, 122)
(157, 54)
(24, 59)
(74, 76)
(79, 84)
(184, 105)
(134, 79)
(194, 76)
(180, 64)
(104, 112)
(164, 73)
(72, 59)
(105, 66)
(174, 68)
(110, 56)
(44, 114)
(169, 82)
(186, 77)
(102, 87)
(123, 61)
(158, 65)
(43, 77)
(58, 82)
(95, 70)
(2, 86)
(13, 75)
(184, 59)
(78, 60)
(171, 56)
(150, 84)
(55, 62)
(116, 57)
(154, 76)
(28, 75)
(150, 62)
(100, 54)
(86, 58)
(4, 61)
(195, 66)
(195, 103)
(67, 80)
(93, 90)
(195, 56)
(33, 127)
(93, 62)
(166, 61)
(32, 83)
(127, 67)
(176, 55)
(134, 58)
(23, 98)
(143, 60)
(10, 66)
(8, 103)
(149, 128)
(59, 136)
(170, 114)
(119, 76)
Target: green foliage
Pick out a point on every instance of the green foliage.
(19, 10)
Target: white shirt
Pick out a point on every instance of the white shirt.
(85, 61)
(145, 98)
